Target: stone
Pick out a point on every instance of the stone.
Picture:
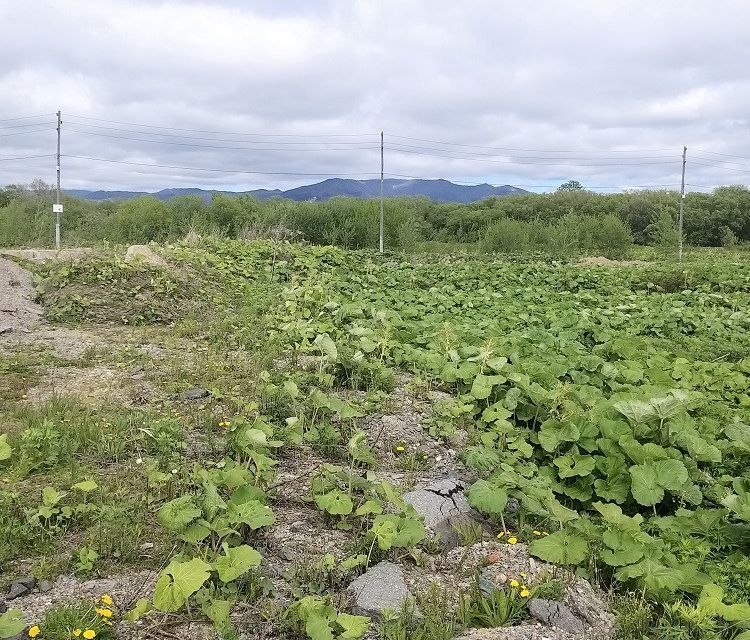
(144, 253)
(459, 439)
(194, 394)
(17, 590)
(555, 614)
(45, 586)
(3, 606)
(28, 582)
(443, 506)
(381, 587)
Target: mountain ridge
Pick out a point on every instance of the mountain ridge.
(438, 189)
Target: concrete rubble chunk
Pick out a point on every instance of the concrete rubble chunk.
(555, 614)
(381, 587)
(443, 505)
(193, 394)
(144, 253)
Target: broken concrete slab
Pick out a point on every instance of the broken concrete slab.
(381, 587)
(444, 506)
(555, 614)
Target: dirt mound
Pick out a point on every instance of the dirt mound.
(18, 312)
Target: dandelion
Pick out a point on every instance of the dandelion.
(399, 448)
(522, 574)
(501, 534)
(525, 593)
(76, 632)
(106, 599)
(514, 584)
(34, 631)
(544, 533)
(105, 613)
(512, 540)
(89, 634)
(537, 533)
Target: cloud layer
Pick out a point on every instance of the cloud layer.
(519, 93)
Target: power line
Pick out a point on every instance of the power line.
(213, 146)
(183, 137)
(43, 115)
(457, 144)
(20, 133)
(262, 173)
(400, 146)
(29, 124)
(718, 166)
(238, 133)
(46, 155)
(558, 161)
(716, 153)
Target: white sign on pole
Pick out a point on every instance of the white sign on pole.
(57, 208)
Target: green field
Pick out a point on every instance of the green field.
(600, 414)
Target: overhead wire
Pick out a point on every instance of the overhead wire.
(168, 166)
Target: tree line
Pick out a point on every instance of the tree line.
(568, 220)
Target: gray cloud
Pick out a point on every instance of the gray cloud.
(618, 87)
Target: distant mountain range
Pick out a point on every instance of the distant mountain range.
(440, 190)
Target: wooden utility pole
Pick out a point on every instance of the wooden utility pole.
(682, 203)
(381, 192)
(57, 207)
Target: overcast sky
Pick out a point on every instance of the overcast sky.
(529, 94)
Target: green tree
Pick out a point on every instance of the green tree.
(570, 185)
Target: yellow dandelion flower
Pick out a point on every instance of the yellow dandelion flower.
(544, 533)
(89, 634)
(400, 448)
(512, 540)
(76, 632)
(34, 631)
(107, 600)
(514, 584)
(525, 593)
(104, 613)
(537, 533)
(501, 534)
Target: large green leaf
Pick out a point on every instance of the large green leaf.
(237, 562)
(573, 465)
(5, 449)
(561, 547)
(335, 502)
(252, 513)
(11, 623)
(645, 485)
(354, 627)
(178, 582)
(317, 627)
(327, 346)
(553, 433)
(487, 497)
(482, 386)
(178, 513)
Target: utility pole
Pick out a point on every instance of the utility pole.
(381, 192)
(682, 203)
(57, 208)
